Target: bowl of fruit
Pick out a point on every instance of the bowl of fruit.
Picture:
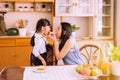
(88, 71)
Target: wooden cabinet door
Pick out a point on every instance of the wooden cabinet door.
(23, 56)
(7, 0)
(24, 0)
(44, 0)
(7, 57)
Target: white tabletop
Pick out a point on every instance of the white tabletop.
(67, 72)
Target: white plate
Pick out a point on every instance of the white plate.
(34, 69)
(91, 77)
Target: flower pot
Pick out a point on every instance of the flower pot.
(73, 34)
(115, 68)
(22, 31)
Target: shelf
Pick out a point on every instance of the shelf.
(6, 7)
(25, 7)
(106, 5)
(106, 26)
(64, 5)
(105, 15)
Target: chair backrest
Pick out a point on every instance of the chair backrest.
(31, 64)
(89, 53)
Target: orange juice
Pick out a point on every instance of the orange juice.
(106, 68)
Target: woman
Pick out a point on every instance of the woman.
(67, 49)
(38, 41)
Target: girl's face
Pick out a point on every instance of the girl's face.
(47, 30)
(58, 32)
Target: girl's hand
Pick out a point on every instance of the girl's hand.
(52, 36)
(43, 62)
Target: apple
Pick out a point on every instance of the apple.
(79, 67)
(85, 71)
(94, 72)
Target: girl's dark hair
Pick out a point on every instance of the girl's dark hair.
(41, 23)
(65, 34)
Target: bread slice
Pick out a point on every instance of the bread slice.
(41, 68)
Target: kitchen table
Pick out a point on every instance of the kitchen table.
(66, 72)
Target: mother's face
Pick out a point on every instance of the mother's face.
(58, 32)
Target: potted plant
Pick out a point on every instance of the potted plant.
(115, 61)
(74, 28)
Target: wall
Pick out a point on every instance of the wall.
(82, 22)
(11, 19)
(117, 22)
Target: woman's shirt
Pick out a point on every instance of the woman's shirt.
(73, 56)
(40, 45)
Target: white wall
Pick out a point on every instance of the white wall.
(82, 22)
(12, 17)
(117, 22)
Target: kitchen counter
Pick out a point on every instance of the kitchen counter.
(2, 37)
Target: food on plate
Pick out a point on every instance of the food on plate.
(79, 67)
(94, 72)
(87, 70)
(41, 68)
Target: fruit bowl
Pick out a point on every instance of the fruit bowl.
(88, 71)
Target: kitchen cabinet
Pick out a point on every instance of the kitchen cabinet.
(15, 51)
(74, 7)
(6, 6)
(6, 0)
(24, 0)
(26, 6)
(43, 7)
(23, 55)
(44, 0)
(7, 57)
(117, 23)
(98, 26)
(104, 19)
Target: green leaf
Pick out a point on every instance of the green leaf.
(74, 27)
(115, 54)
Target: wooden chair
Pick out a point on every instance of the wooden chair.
(31, 64)
(89, 53)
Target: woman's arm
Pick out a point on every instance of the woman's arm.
(61, 54)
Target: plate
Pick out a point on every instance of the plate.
(89, 77)
(92, 77)
(34, 69)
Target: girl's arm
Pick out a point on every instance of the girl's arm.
(42, 60)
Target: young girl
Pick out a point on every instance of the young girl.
(38, 41)
(67, 49)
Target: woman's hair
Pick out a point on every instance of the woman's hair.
(65, 34)
(41, 23)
